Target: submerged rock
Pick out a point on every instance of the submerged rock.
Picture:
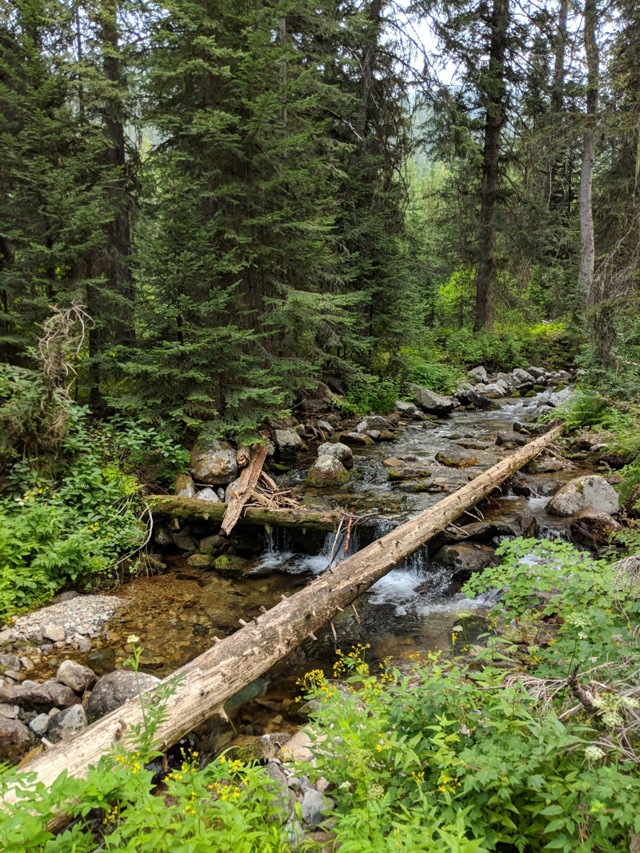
(588, 492)
(214, 462)
(327, 471)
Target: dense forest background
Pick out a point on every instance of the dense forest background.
(246, 198)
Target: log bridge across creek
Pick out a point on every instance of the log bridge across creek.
(207, 682)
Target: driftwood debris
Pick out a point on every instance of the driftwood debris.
(215, 676)
(246, 486)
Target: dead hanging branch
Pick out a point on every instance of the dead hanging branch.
(60, 345)
(59, 348)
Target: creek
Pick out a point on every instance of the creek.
(410, 611)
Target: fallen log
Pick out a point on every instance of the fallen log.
(186, 508)
(215, 676)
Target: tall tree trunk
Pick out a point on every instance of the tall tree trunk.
(587, 240)
(553, 195)
(118, 273)
(496, 103)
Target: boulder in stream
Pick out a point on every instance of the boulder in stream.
(455, 458)
(214, 462)
(327, 471)
(374, 422)
(338, 450)
(407, 410)
(465, 557)
(589, 492)
(431, 402)
(288, 441)
(116, 688)
(593, 529)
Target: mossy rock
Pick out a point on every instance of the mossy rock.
(531, 393)
(516, 395)
(539, 388)
(408, 473)
(232, 566)
(199, 561)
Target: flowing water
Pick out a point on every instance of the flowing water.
(410, 611)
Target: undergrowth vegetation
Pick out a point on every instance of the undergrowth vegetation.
(527, 742)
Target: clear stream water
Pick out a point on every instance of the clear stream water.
(411, 610)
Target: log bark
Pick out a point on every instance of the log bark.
(185, 508)
(246, 485)
(211, 679)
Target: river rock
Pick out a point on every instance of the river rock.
(325, 427)
(538, 373)
(75, 675)
(327, 471)
(465, 557)
(338, 450)
(8, 662)
(53, 631)
(66, 724)
(593, 529)
(116, 688)
(214, 544)
(288, 440)
(470, 397)
(184, 540)
(15, 740)
(407, 410)
(522, 377)
(162, 535)
(588, 492)
(455, 458)
(408, 472)
(298, 749)
(506, 438)
(356, 439)
(214, 462)
(478, 374)
(374, 422)
(208, 495)
(40, 724)
(184, 487)
(40, 696)
(431, 402)
(230, 565)
(231, 490)
(199, 561)
(495, 389)
(314, 807)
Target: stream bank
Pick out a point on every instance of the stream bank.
(410, 611)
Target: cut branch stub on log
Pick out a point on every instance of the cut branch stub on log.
(215, 676)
